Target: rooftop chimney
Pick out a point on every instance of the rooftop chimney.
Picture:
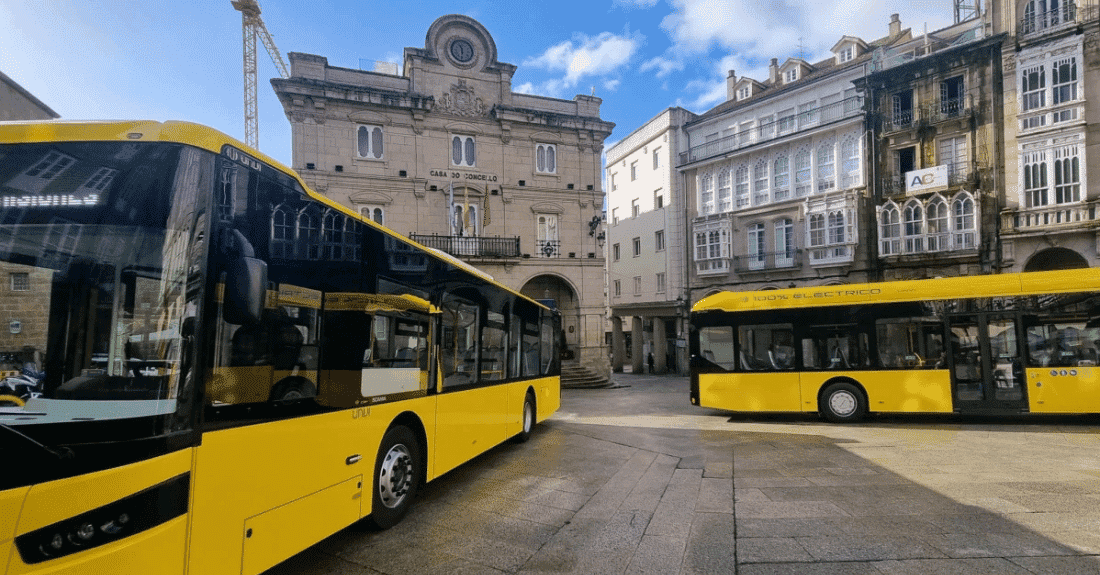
(895, 25)
(773, 71)
(731, 80)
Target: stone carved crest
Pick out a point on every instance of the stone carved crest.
(462, 101)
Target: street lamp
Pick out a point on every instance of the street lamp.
(601, 238)
(593, 225)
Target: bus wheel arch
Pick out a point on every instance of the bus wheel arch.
(410, 420)
(528, 416)
(842, 400)
(294, 387)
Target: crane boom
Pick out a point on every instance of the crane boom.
(251, 27)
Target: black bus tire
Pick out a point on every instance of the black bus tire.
(292, 389)
(397, 474)
(843, 402)
(527, 418)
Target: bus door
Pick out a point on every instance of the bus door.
(987, 370)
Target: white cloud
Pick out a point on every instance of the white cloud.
(588, 56)
(664, 66)
(524, 88)
(612, 85)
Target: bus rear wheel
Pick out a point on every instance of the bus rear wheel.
(843, 402)
(397, 475)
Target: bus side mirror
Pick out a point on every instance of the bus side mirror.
(245, 291)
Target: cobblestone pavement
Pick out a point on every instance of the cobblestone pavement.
(633, 479)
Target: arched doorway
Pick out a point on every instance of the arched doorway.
(564, 298)
(1055, 259)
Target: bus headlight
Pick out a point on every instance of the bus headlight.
(132, 514)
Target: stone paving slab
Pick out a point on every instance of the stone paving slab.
(633, 480)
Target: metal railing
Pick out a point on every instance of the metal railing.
(958, 173)
(768, 261)
(471, 246)
(1054, 20)
(780, 127)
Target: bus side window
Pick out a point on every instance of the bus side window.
(768, 347)
(716, 346)
(459, 353)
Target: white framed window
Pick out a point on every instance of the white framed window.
(463, 151)
(1063, 81)
(786, 120)
(784, 243)
(614, 216)
(725, 198)
(618, 284)
(1067, 175)
(20, 281)
(760, 182)
(656, 158)
(817, 230)
(742, 92)
(851, 173)
(547, 238)
(376, 214)
(1035, 179)
(808, 114)
(803, 182)
(368, 142)
(756, 242)
(466, 222)
(615, 252)
(658, 199)
(637, 285)
(766, 127)
(712, 248)
(635, 208)
(637, 244)
(660, 282)
(659, 241)
(826, 167)
(633, 171)
(936, 218)
(845, 54)
(546, 158)
(838, 235)
(742, 182)
(954, 154)
(782, 178)
(790, 75)
(1033, 88)
(889, 230)
(964, 229)
(913, 226)
(706, 194)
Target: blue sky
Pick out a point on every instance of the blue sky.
(182, 59)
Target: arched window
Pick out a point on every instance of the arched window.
(826, 167)
(964, 227)
(742, 185)
(760, 183)
(890, 229)
(782, 178)
(938, 232)
(282, 233)
(838, 235)
(309, 234)
(849, 155)
(784, 243)
(725, 200)
(817, 231)
(803, 183)
(706, 194)
(913, 216)
(757, 254)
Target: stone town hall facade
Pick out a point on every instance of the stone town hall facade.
(449, 155)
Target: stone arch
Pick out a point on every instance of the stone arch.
(552, 286)
(1055, 259)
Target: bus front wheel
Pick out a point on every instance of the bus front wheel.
(397, 474)
(843, 402)
(528, 418)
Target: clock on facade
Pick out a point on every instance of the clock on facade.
(462, 51)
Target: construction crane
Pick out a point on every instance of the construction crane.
(251, 27)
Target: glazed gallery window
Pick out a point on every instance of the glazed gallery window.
(369, 142)
(546, 158)
(463, 151)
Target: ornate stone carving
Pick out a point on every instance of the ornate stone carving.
(300, 117)
(462, 101)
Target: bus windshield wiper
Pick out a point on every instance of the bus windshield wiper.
(61, 453)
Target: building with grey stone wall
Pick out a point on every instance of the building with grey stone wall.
(445, 152)
(18, 104)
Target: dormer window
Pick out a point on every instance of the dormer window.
(846, 54)
(790, 76)
(743, 93)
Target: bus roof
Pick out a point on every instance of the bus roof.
(1027, 283)
(205, 137)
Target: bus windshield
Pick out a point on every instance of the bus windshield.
(101, 248)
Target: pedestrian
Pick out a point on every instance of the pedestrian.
(650, 362)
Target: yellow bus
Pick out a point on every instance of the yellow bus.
(996, 344)
(230, 366)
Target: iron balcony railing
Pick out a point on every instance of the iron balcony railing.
(958, 173)
(777, 128)
(768, 261)
(1060, 18)
(935, 112)
(471, 246)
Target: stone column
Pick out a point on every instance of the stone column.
(618, 346)
(660, 346)
(637, 336)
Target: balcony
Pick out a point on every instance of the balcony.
(958, 174)
(1067, 16)
(467, 246)
(782, 127)
(1047, 219)
(832, 255)
(769, 261)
